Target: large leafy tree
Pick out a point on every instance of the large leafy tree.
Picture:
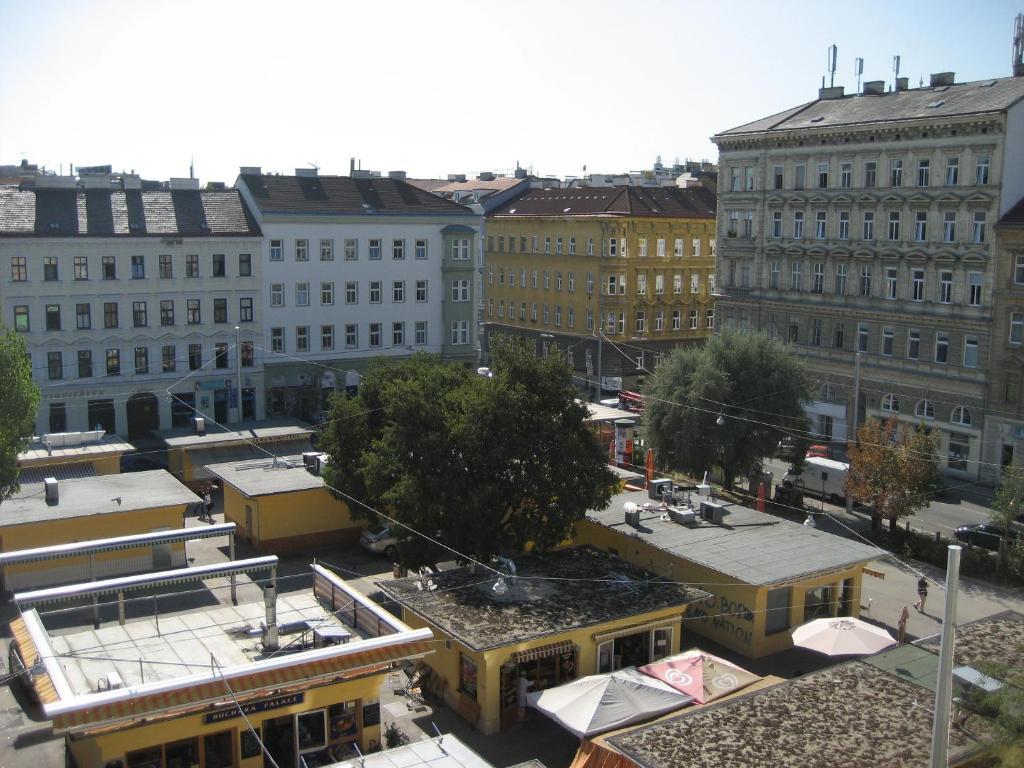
(893, 468)
(1008, 508)
(755, 386)
(486, 465)
(17, 407)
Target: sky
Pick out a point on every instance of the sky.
(438, 87)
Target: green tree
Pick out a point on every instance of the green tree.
(1007, 508)
(488, 465)
(892, 467)
(753, 385)
(17, 407)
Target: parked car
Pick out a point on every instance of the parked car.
(379, 540)
(985, 535)
(819, 452)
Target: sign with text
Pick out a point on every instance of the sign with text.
(253, 707)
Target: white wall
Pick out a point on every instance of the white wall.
(1013, 159)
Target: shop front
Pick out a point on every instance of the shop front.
(545, 667)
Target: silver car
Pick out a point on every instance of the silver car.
(379, 540)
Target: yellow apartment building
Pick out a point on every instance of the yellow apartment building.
(563, 615)
(280, 507)
(764, 575)
(64, 455)
(614, 277)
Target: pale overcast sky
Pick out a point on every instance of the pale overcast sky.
(442, 87)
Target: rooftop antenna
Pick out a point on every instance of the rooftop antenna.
(858, 70)
(833, 51)
(1018, 45)
(896, 68)
(191, 167)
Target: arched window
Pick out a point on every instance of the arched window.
(924, 409)
(828, 392)
(890, 403)
(961, 415)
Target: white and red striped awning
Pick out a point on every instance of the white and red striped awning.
(540, 652)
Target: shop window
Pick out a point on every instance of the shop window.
(312, 731)
(467, 675)
(217, 751)
(959, 450)
(344, 721)
(818, 602)
(249, 743)
(145, 758)
(777, 610)
(661, 643)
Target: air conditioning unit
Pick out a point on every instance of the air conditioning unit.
(656, 489)
(713, 512)
(683, 516)
(52, 494)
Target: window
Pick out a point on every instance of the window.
(81, 268)
(192, 265)
(558, 245)
(109, 267)
(558, 281)
(113, 362)
(945, 287)
(192, 312)
(709, 318)
(165, 266)
(50, 268)
(277, 339)
(375, 248)
(734, 179)
(659, 284)
(54, 365)
(219, 265)
(21, 323)
(846, 175)
(277, 294)
(421, 291)
(869, 226)
(800, 172)
(961, 415)
(1018, 270)
(326, 250)
(838, 334)
(195, 357)
(351, 249)
(773, 275)
(139, 314)
(920, 226)
(460, 332)
(247, 353)
(1016, 327)
(375, 335)
(245, 265)
(748, 178)
(923, 172)
(863, 332)
(302, 338)
(220, 310)
(641, 321)
(53, 317)
(776, 224)
(661, 247)
(694, 283)
(917, 285)
(533, 312)
(978, 232)
(844, 225)
(815, 339)
(142, 360)
(895, 173)
(822, 175)
(398, 249)
(546, 314)
(798, 225)
(302, 294)
(572, 282)
(375, 291)
(110, 314)
(277, 250)
(397, 291)
(420, 331)
(828, 392)
(795, 275)
(941, 347)
(641, 284)
(894, 225)
(245, 310)
(890, 283)
(981, 170)
(819, 225)
(952, 171)
(970, 351)
(974, 289)
(19, 269)
(948, 226)
(924, 409)
(870, 173)
(913, 344)
(351, 336)
(85, 363)
(398, 334)
(351, 292)
(83, 316)
(865, 280)
(421, 248)
(794, 330)
(890, 403)
(777, 610)
(779, 176)
(590, 320)
(840, 281)
(959, 450)
(888, 337)
(168, 358)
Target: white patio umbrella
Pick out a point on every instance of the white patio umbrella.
(603, 702)
(843, 636)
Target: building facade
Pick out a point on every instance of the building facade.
(614, 278)
(862, 225)
(356, 268)
(127, 295)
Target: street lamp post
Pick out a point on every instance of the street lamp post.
(238, 369)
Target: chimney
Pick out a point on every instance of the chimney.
(835, 92)
(250, 170)
(200, 423)
(941, 78)
(485, 176)
(52, 494)
(176, 183)
(874, 87)
(396, 175)
(270, 601)
(902, 84)
(459, 177)
(306, 172)
(351, 166)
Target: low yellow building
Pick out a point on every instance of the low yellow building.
(201, 688)
(65, 455)
(563, 615)
(280, 507)
(765, 575)
(93, 507)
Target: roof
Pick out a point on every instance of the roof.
(552, 593)
(267, 430)
(61, 447)
(993, 641)
(598, 412)
(261, 477)
(980, 96)
(496, 184)
(654, 202)
(428, 185)
(341, 195)
(439, 752)
(750, 546)
(853, 710)
(100, 495)
(26, 211)
(1013, 217)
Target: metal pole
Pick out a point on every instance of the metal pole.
(600, 346)
(852, 435)
(231, 555)
(238, 368)
(95, 598)
(944, 687)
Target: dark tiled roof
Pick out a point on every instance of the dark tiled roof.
(660, 202)
(981, 96)
(110, 213)
(345, 195)
(1013, 217)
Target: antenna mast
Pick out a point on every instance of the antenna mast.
(833, 50)
(1018, 45)
(896, 69)
(858, 70)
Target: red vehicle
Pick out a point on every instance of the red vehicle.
(631, 401)
(819, 452)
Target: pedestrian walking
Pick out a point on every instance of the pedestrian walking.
(523, 686)
(208, 504)
(922, 593)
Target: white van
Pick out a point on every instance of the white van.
(825, 478)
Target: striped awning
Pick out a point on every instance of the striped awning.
(636, 628)
(30, 655)
(552, 649)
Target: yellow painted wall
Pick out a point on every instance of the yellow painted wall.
(102, 465)
(97, 750)
(734, 615)
(179, 465)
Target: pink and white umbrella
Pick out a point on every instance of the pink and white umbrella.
(700, 674)
(842, 636)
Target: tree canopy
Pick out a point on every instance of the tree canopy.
(1007, 508)
(755, 384)
(893, 468)
(487, 465)
(17, 407)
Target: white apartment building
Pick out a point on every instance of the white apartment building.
(355, 268)
(128, 294)
(864, 224)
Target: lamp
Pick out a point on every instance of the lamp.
(720, 421)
